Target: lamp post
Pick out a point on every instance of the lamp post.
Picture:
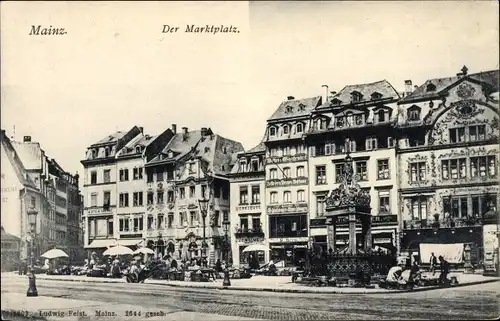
(32, 290)
(203, 209)
(226, 281)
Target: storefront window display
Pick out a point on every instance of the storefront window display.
(245, 257)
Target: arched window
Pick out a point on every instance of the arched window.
(286, 129)
(381, 116)
(138, 149)
(299, 128)
(272, 131)
(106, 152)
(414, 113)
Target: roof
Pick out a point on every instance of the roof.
(382, 87)
(16, 162)
(489, 77)
(8, 237)
(296, 108)
(30, 154)
(140, 140)
(261, 147)
(113, 138)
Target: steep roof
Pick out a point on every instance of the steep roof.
(16, 162)
(489, 77)
(140, 140)
(30, 153)
(8, 237)
(261, 147)
(296, 107)
(382, 87)
(113, 138)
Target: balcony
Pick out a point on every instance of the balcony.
(246, 232)
(446, 223)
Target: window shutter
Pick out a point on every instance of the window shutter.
(312, 151)
(368, 144)
(328, 149)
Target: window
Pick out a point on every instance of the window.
(170, 220)
(256, 224)
(329, 149)
(33, 202)
(244, 224)
(170, 175)
(123, 175)
(150, 198)
(138, 173)
(107, 176)
(182, 193)
(203, 191)
(356, 96)
(217, 218)
(256, 194)
(417, 171)
(192, 191)
(457, 207)
(391, 142)
(93, 199)
(93, 177)
(320, 205)
(371, 143)
(414, 113)
(273, 173)
(287, 197)
(138, 199)
(419, 208)
(149, 177)
(287, 172)
(159, 199)
(301, 196)
(225, 216)
(123, 199)
(481, 204)
(137, 224)
(182, 218)
(150, 222)
(160, 221)
(299, 128)
(286, 150)
(384, 205)
(107, 200)
(383, 169)
(286, 130)
(272, 131)
(217, 191)
(349, 119)
(159, 175)
(484, 166)
(243, 194)
(340, 122)
(191, 168)
(320, 175)
(255, 165)
(288, 226)
(454, 168)
(457, 135)
(273, 197)
(273, 152)
(170, 196)
(192, 218)
(381, 116)
(339, 168)
(124, 227)
(361, 170)
(477, 132)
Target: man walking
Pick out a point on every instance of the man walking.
(445, 269)
(433, 262)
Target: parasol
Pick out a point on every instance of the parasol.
(54, 254)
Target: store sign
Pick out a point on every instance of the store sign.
(97, 211)
(341, 242)
(286, 159)
(250, 240)
(295, 246)
(382, 241)
(287, 208)
(287, 182)
(289, 240)
(248, 208)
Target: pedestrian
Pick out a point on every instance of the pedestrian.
(433, 262)
(414, 270)
(445, 269)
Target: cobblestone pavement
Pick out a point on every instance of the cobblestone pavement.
(472, 302)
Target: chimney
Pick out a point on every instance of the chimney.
(325, 97)
(141, 129)
(408, 87)
(184, 130)
(174, 128)
(290, 98)
(27, 139)
(203, 131)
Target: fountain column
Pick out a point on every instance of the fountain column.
(352, 233)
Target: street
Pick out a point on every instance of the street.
(470, 302)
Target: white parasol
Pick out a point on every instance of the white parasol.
(144, 250)
(54, 254)
(118, 250)
(256, 247)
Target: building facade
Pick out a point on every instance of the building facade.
(249, 223)
(448, 161)
(357, 120)
(287, 179)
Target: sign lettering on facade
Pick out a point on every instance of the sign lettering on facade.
(287, 182)
(289, 240)
(287, 208)
(246, 208)
(286, 159)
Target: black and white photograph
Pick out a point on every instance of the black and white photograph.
(250, 160)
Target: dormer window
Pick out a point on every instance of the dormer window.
(138, 149)
(381, 116)
(243, 164)
(255, 165)
(320, 123)
(431, 87)
(302, 107)
(289, 109)
(286, 130)
(376, 95)
(272, 131)
(340, 121)
(299, 128)
(356, 96)
(336, 101)
(207, 149)
(349, 119)
(94, 153)
(414, 113)
(106, 152)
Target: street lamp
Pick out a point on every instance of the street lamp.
(204, 210)
(226, 281)
(32, 291)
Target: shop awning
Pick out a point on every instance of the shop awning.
(128, 242)
(96, 244)
(453, 253)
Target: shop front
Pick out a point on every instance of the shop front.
(290, 251)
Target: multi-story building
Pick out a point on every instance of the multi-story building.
(19, 194)
(249, 223)
(100, 189)
(358, 119)
(193, 165)
(287, 179)
(448, 161)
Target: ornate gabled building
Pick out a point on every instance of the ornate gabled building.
(249, 223)
(287, 179)
(100, 189)
(448, 161)
(359, 119)
(193, 165)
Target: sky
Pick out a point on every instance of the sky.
(115, 68)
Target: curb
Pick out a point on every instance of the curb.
(304, 290)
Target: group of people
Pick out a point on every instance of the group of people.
(402, 274)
